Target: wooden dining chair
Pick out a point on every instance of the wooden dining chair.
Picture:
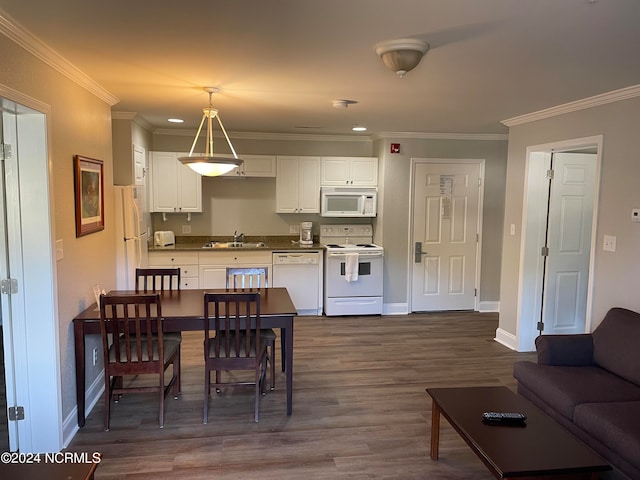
(153, 279)
(256, 277)
(232, 341)
(133, 344)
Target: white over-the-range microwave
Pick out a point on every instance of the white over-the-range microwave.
(348, 201)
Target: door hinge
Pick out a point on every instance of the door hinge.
(9, 286)
(16, 413)
(550, 174)
(5, 151)
(540, 326)
(544, 251)
(475, 292)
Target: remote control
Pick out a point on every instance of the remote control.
(504, 417)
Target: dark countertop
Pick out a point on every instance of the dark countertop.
(273, 244)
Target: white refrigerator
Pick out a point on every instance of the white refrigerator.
(132, 234)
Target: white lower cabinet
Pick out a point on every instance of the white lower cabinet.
(186, 261)
(213, 265)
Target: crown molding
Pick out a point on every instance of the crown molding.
(441, 136)
(134, 117)
(11, 29)
(269, 136)
(590, 102)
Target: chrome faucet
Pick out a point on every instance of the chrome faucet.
(238, 237)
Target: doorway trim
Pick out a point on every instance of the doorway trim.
(41, 430)
(471, 161)
(529, 305)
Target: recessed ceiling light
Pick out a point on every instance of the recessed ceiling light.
(359, 129)
(175, 120)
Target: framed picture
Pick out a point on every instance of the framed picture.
(89, 191)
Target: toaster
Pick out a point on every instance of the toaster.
(163, 238)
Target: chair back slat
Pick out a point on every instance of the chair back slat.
(131, 325)
(154, 279)
(247, 277)
(235, 319)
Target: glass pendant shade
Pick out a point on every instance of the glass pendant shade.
(208, 164)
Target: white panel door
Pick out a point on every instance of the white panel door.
(569, 241)
(445, 227)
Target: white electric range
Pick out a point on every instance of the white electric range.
(353, 270)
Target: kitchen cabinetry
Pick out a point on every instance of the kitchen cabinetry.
(186, 261)
(352, 171)
(254, 166)
(298, 184)
(213, 265)
(174, 186)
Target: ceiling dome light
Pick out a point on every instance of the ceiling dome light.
(403, 55)
(359, 129)
(208, 164)
(175, 120)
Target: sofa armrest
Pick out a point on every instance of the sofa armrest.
(567, 350)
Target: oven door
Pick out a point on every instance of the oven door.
(369, 282)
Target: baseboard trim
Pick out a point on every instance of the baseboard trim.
(507, 339)
(395, 309)
(487, 307)
(70, 423)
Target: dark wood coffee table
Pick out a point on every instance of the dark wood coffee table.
(542, 448)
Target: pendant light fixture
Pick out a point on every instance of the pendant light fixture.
(208, 164)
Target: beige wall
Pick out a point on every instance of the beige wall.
(394, 221)
(248, 204)
(80, 123)
(617, 275)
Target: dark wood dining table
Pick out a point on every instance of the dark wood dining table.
(183, 310)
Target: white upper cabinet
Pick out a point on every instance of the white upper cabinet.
(254, 166)
(351, 171)
(174, 186)
(298, 184)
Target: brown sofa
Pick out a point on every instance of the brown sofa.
(590, 383)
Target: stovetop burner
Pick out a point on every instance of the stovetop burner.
(365, 245)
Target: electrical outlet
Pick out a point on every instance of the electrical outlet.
(186, 229)
(95, 356)
(294, 228)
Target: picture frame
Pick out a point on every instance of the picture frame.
(89, 194)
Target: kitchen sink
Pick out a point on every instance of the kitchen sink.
(235, 245)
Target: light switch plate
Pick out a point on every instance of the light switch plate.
(59, 250)
(635, 215)
(609, 243)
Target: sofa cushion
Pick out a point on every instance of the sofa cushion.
(616, 425)
(616, 344)
(566, 387)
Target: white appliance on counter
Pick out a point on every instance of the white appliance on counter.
(301, 274)
(132, 234)
(353, 270)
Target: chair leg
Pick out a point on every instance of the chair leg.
(162, 394)
(258, 387)
(273, 365)
(207, 390)
(177, 388)
(107, 400)
(217, 381)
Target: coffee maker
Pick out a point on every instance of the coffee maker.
(306, 234)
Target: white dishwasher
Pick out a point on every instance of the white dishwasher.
(301, 274)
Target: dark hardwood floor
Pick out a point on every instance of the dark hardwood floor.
(360, 408)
